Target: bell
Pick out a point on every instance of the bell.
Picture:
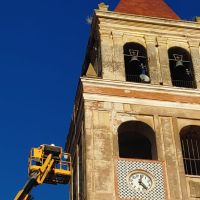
(179, 64)
(135, 60)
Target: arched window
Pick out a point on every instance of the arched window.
(190, 142)
(181, 68)
(136, 140)
(135, 58)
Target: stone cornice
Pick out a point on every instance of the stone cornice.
(131, 86)
(146, 19)
(140, 101)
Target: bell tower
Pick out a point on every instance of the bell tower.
(135, 128)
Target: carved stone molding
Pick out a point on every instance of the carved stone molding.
(193, 43)
(116, 34)
(150, 39)
(161, 40)
(105, 33)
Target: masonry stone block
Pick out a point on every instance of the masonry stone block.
(90, 195)
(89, 173)
(103, 176)
(88, 119)
(90, 145)
(102, 145)
(194, 189)
(103, 196)
(127, 107)
(118, 106)
(101, 120)
(107, 105)
(95, 119)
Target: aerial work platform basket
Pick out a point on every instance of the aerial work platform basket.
(46, 164)
(60, 170)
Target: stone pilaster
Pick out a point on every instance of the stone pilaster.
(172, 169)
(180, 159)
(154, 69)
(164, 61)
(118, 59)
(107, 54)
(194, 50)
(159, 141)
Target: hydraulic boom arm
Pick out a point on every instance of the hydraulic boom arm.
(35, 179)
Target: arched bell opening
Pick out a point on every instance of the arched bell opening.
(135, 58)
(181, 68)
(137, 140)
(190, 143)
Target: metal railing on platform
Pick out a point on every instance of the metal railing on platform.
(134, 78)
(183, 83)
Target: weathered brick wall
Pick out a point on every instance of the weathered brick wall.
(102, 121)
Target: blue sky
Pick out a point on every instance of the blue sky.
(42, 49)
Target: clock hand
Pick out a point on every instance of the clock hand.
(143, 185)
(140, 180)
(141, 176)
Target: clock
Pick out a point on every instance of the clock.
(140, 180)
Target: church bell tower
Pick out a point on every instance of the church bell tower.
(135, 128)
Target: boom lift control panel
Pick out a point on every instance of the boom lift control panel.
(47, 164)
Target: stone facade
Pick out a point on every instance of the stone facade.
(102, 104)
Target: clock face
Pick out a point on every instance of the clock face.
(140, 181)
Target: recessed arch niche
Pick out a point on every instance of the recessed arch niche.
(190, 143)
(181, 67)
(137, 140)
(137, 66)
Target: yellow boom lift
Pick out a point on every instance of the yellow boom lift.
(47, 164)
